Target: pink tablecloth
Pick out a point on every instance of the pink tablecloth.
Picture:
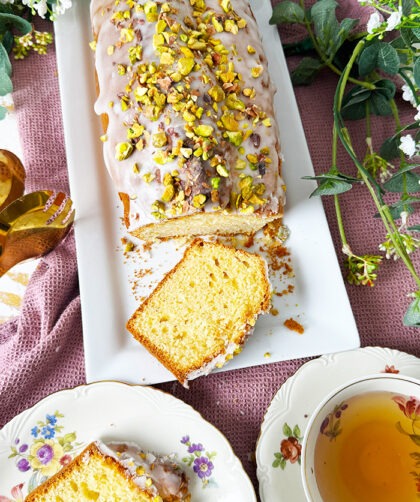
(41, 351)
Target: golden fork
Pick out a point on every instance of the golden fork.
(12, 178)
(33, 225)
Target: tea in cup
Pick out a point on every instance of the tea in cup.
(363, 443)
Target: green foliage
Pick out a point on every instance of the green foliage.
(306, 71)
(368, 64)
(381, 56)
(412, 316)
(287, 12)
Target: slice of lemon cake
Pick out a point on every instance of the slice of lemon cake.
(115, 472)
(203, 310)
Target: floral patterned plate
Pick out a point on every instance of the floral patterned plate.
(284, 425)
(39, 441)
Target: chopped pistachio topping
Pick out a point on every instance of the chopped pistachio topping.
(123, 150)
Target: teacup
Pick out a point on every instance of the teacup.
(362, 442)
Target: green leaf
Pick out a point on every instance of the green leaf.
(296, 432)
(287, 12)
(386, 88)
(8, 21)
(306, 71)
(283, 463)
(5, 65)
(6, 85)
(379, 55)
(414, 228)
(412, 318)
(333, 177)
(403, 181)
(3, 112)
(8, 41)
(390, 148)
(331, 187)
(287, 431)
(398, 207)
(330, 34)
(416, 71)
(407, 6)
(379, 104)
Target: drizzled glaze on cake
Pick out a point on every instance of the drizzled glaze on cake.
(185, 88)
(160, 476)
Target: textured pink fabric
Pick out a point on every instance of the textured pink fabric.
(41, 351)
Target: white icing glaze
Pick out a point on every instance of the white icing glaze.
(112, 87)
(159, 475)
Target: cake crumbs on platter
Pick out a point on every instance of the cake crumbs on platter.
(293, 325)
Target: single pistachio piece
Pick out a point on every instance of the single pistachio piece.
(199, 200)
(123, 150)
(251, 49)
(229, 122)
(185, 65)
(150, 10)
(161, 26)
(121, 69)
(159, 139)
(135, 131)
(245, 182)
(252, 158)
(241, 23)
(256, 71)
(166, 58)
(197, 45)
(231, 26)
(267, 122)
(215, 182)
(233, 103)
(225, 4)
(103, 138)
(136, 168)
(148, 177)
(240, 164)
(188, 116)
(168, 179)
(186, 152)
(110, 50)
(222, 170)
(216, 93)
(203, 130)
(217, 25)
(247, 210)
(235, 137)
(168, 193)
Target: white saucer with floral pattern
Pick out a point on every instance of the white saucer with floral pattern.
(285, 422)
(39, 441)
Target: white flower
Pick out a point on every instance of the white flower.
(6, 1)
(417, 115)
(61, 6)
(39, 6)
(394, 20)
(408, 145)
(408, 95)
(7, 102)
(374, 22)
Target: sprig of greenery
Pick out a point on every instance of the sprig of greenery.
(18, 37)
(368, 63)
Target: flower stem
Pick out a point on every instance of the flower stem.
(370, 183)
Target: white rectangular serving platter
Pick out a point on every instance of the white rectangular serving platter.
(319, 301)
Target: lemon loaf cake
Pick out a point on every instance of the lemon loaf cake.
(190, 141)
(115, 472)
(200, 314)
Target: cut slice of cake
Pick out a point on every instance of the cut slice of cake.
(201, 313)
(115, 472)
